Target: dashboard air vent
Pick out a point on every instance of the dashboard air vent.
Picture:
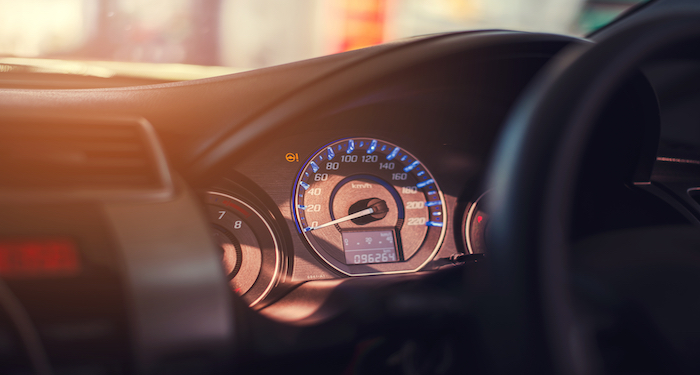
(79, 155)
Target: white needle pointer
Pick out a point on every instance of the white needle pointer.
(365, 212)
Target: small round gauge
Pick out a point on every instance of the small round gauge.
(250, 251)
(476, 226)
(367, 206)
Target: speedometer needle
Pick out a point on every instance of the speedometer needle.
(365, 212)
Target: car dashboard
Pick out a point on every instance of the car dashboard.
(161, 227)
(160, 178)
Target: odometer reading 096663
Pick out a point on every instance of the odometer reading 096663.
(367, 206)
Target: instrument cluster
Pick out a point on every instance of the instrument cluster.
(328, 207)
(377, 181)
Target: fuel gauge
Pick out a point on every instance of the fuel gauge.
(477, 226)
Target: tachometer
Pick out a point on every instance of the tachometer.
(367, 206)
(250, 251)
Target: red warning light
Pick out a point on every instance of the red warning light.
(479, 218)
(38, 257)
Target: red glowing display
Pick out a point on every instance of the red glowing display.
(38, 257)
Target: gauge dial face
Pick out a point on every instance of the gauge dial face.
(367, 206)
(249, 248)
(476, 226)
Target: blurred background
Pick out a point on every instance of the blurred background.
(249, 34)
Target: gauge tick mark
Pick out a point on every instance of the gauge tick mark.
(314, 166)
(393, 153)
(425, 183)
(411, 166)
(372, 146)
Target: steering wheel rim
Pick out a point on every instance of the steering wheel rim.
(533, 176)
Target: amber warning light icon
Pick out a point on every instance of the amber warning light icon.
(291, 157)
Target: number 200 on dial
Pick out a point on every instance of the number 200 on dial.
(367, 206)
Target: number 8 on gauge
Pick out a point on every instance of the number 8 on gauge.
(366, 206)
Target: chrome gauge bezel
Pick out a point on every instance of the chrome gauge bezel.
(271, 256)
(427, 246)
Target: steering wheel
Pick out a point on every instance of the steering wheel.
(542, 323)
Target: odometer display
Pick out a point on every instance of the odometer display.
(367, 206)
(369, 247)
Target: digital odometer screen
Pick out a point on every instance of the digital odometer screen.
(369, 247)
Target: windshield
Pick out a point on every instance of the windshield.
(249, 34)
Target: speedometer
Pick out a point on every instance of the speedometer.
(366, 206)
